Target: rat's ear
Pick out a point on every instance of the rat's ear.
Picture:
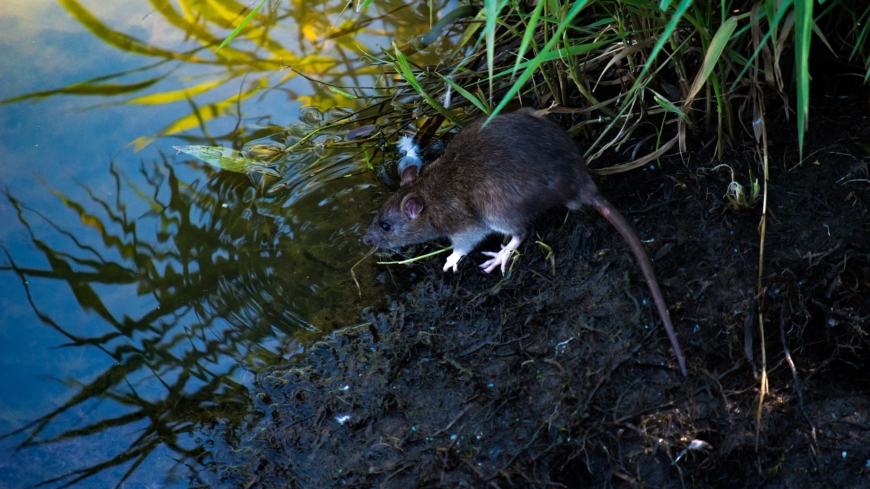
(412, 205)
(409, 173)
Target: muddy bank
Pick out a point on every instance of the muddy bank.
(567, 379)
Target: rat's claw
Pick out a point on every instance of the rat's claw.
(453, 262)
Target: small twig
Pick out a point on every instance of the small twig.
(416, 258)
(837, 312)
(353, 275)
(490, 343)
(532, 441)
(638, 162)
(801, 162)
(458, 416)
(797, 386)
(763, 386)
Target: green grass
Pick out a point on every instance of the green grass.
(685, 66)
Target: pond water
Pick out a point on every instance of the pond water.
(143, 288)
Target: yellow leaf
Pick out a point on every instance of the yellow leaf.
(215, 110)
(176, 95)
(310, 33)
(140, 143)
(324, 101)
(93, 222)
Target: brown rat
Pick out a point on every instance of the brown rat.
(500, 178)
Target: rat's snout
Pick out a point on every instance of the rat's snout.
(370, 238)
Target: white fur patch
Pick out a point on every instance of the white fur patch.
(408, 146)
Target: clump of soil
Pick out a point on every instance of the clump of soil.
(567, 379)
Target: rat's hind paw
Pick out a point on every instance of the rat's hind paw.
(502, 257)
(498, 258)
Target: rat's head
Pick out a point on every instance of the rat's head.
(400, 221)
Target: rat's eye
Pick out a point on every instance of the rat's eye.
(385, 226)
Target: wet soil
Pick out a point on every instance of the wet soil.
(560, 375)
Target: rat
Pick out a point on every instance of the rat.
(500, 177)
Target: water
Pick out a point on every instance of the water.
(141, 288)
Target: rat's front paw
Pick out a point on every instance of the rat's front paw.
(453, 262)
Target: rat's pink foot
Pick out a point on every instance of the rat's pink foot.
(453, 261)
(499, 258)
(502, 257)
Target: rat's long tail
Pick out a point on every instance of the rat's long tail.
(610, 213)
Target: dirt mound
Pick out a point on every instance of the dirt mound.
(567, 379)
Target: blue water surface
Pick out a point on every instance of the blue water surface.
(142, 288)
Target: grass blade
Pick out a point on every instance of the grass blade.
(779, 15)
(668, 105)
(535, 63)
(714, 51)
(241, 26)
(465, 93)
(404, 69)
(665, 35)
(492, 8)
(862, 37)
(531, 28)
(803, 10)
(342, 92)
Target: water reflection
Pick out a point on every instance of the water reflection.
(170, 285)
(223, 279)
(285, 40)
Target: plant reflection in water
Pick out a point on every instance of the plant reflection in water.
(221, 277)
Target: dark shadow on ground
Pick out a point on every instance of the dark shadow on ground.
(568, 380)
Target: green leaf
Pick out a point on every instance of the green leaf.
(668, 105)
(531, 28)
(665, 35)
(492, 8)
(714, 51)
(535, 63)
(342, 92)
(225, 159)
(561, 53)
(241, 25)
(465, 93)
(824, 39)
(404, 69)
(747, 63)
(862, 37)
(803, 10)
